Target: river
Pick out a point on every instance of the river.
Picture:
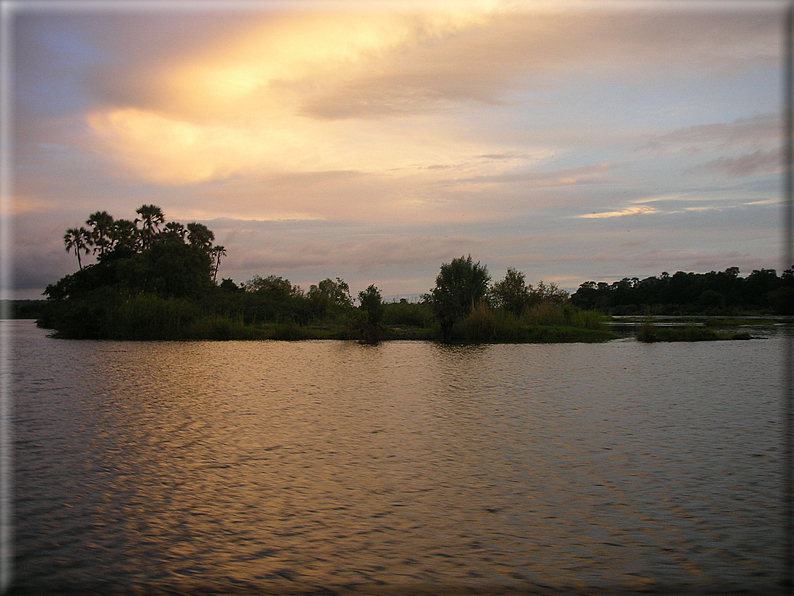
(332, 467)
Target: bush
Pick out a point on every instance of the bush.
(372, 304)
(477, 327)
(460, 286)
(647, 331)
(407, 314)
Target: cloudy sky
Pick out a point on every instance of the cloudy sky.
(374, 141)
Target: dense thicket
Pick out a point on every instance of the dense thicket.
(713, 293)
(136, 260)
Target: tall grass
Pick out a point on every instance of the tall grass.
(478, 327)
(548, 313)
(544, 322)
(648, 332)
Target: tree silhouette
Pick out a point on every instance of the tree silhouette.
(552, 293)
(512, 293)
(125, 235)
(216, 253)
(372, 304)
(329, 295)
(460, 285)
(150, 218)
(101, 233)
(272, 284)
(200, 236)
(174, 231)
(76, 239)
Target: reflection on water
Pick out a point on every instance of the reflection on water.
(267, 466)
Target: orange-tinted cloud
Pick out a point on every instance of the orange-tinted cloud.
(376, 91)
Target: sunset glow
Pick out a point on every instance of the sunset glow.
(374, 142)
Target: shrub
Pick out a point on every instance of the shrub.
(477, 327)
(372, 304)
(407, 314)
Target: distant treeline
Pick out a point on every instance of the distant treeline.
(21, 309)
(713, 293)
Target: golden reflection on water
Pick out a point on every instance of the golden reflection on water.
(283, 466)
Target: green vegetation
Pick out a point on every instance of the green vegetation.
(649, 332)
(460, 288)
(156, 280)
(736, 322)
(721, 293)
(543, 323)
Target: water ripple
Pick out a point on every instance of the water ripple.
(291, 467)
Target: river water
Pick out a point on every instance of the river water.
(407, 467)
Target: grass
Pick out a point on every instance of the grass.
(648, 332)
(736, 322)
(542, 323)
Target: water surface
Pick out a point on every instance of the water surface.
(325, 465)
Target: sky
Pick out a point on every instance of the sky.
(374, 141)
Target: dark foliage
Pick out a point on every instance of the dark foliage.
(460, 285)
(168, 269)
(713, 293)
(372, 305)
(408, 314)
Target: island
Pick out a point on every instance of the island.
(158, 280)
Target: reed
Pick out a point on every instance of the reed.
(541, 323)
(648, 332)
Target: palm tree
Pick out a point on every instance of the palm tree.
(151, 216)
(216, 253)
(174, 232)
(101, 234)
(200, 235)
(125, 235)
(76, 239)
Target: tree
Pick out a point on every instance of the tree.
(330, 295)
(552, 293)
(372, 304)
(460, 285)
(215, 254)
(101, 233)
(125, 237)
(150, 218)
(169, 269)
(174, 231)
(760, 283)
(272, 285)
(77, 239)
(227, 285)
(200, 236)
(511, 293)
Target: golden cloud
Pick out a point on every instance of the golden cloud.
(628, 211)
